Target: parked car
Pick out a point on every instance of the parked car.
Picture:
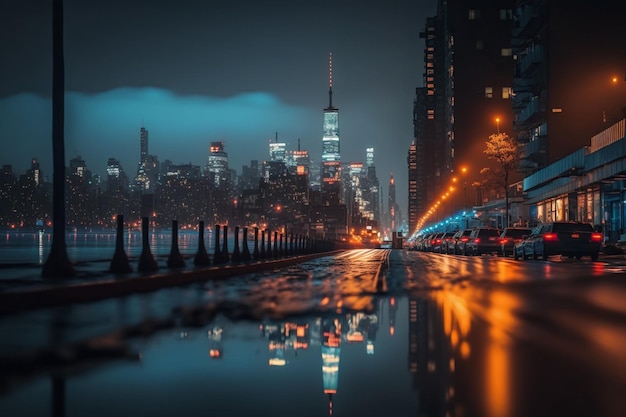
(509, 236)
(519, 247)
(446, 240)
(436, 242)
(571, 239)
(427, 242)
(483, 240)
(460, 238)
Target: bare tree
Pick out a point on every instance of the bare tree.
(58, 265)
(507, 154)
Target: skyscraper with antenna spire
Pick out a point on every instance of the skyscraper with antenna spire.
(331, 161)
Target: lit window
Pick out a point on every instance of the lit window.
(479, 45)
(507, 92)
(472, 14)
(507, 51)
(488, 92)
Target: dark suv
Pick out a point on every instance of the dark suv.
(571, 239)
(510, 236)
(483, 240)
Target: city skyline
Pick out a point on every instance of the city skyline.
(196, 73)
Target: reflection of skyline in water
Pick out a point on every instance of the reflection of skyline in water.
(339, 357)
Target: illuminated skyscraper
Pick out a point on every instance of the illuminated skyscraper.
(217, 165)
(394, 215)
(278, 150)
(148, 168)
(144, 145)
(331, 161)
(35, 172)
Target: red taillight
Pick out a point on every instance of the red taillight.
(504, 240)
(476, 240)
(550, 236)
(464, 239)
(596, 237)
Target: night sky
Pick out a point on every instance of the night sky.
(194, 71)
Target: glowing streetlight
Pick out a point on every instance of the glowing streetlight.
(498, 124)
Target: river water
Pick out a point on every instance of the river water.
(33, 248)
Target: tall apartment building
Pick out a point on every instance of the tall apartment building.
(467, 85)
(569, 80)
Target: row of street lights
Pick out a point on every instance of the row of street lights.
(437, 206)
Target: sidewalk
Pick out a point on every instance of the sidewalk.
(23, 287)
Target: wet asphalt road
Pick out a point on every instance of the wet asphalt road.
(524, 337)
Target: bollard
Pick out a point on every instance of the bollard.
(217, 255)
(202, 257)
(175, 260)
(281, 250)
(119, 263)
(225, 257)
(291, 244)
(275, 250)
(255, 253)
(236, 256)
(146, 260)
(263, 244)
(245, 253)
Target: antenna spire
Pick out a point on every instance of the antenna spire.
(330, 80)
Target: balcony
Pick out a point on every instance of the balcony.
(527, 20)
(535, 56)
(531, 114)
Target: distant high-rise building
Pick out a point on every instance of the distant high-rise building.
(278, 150)
(298, 161)
(369, 157)
(217, 165)
(35, 172)
(148, 167)
(78, 166)
(394, 214)
(331, 160)
(116, 178)
(143, 144)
